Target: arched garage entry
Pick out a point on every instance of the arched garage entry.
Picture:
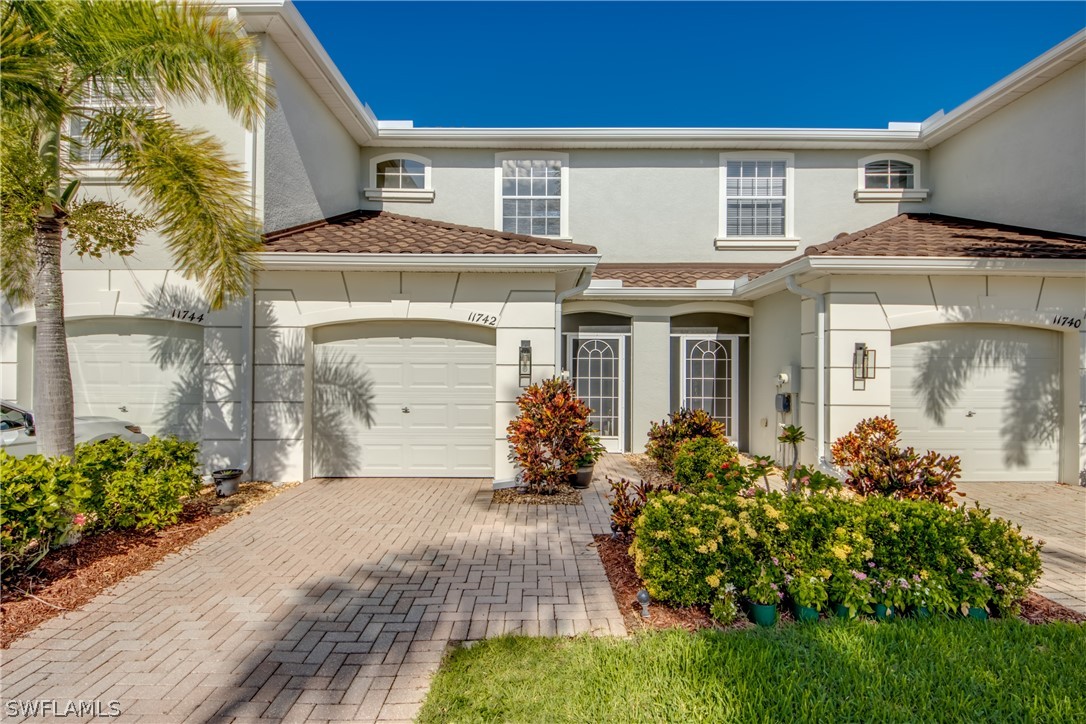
(149, 371)
(989, 393)
(402, 399)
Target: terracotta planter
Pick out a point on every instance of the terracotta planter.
(764, 614)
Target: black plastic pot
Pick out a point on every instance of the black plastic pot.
(583, 477)
(226, 481)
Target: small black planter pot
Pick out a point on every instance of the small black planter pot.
(226, 481)
(582, 478)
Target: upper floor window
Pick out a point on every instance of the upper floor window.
(889, 177)
(532, 194)
(399, 177)
(756, 205)
(102, 95)
(888, 174)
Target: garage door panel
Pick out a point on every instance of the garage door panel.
(446, 384)
(989, 394)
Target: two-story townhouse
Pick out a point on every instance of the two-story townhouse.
(415, 279)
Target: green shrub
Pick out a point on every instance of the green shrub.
(41, 503)
(139, 486)
(863, 550)
(666, 436)
(701, 458)
(627, 500)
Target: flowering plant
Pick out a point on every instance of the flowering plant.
(851, 588)
(808, 590)
(725, 609)
(889, 590)
(972, 589)
(766, 589)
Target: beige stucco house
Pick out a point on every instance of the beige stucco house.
(935, 272)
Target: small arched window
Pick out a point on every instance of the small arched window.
(400, 177)
(889, 174)
(889, 177)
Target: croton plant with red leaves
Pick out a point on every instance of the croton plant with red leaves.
(550, 435)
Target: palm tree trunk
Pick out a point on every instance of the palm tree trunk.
(53, 400)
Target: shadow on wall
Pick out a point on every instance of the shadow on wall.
(212, 373)
(1032, 411)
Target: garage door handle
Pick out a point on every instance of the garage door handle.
(406, 408)
(971, 413)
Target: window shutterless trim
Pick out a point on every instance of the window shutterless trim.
(786, 240)
(375, 193)
(864, 194)
(563, 197)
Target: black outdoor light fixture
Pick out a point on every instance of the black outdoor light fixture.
(525, 362)
(863, 363)
(643, 599)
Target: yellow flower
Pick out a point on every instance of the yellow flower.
(750, 531)
(825, 573)
(782, 526)
(713, 580)
(771, 512)
(713, 545)
(692, 530)
(661, 535)
(702, 549)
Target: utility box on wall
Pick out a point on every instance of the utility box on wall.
(788, 380)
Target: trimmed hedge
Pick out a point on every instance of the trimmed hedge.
(688, 545)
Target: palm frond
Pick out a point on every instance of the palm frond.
(198, 198)
(29, 68)
(181, 50)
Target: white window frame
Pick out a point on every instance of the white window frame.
(733, 420)
(787, 242)
(612, 444)
(423, 195)
(562, 158)
(104, 169)
(866, 195)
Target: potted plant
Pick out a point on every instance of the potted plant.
(974, 593)
(226, 481)
(890, 594)
(764, 594)
(586, 463)
(850, 591)
(809, 595)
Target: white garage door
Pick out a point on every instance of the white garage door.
(148, 371)
(403, 400)
(988, 393)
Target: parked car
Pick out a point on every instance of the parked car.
(17, 433)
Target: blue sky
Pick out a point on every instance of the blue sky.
(810, 64)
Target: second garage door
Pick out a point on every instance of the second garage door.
(988, 393)
(403, 400)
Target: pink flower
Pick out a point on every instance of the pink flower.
(859, 575)
(79, 519)
(871, 564)
(977, 575)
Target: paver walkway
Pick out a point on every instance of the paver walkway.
(333, 602)
(1053, 513)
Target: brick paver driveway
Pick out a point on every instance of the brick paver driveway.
(334, 601)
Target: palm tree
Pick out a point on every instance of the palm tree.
(127, 55)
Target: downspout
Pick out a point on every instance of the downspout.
(583, 280)
(248, 380)
(820, 368)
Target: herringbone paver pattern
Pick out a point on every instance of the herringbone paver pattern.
(333, 602)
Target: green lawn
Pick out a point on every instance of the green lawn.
(999, 671)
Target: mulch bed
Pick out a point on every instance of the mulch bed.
(614, 554)
(69, 577)
(565, 495)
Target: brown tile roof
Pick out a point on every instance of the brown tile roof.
(948, 236)
(676, 275)
(380, 232)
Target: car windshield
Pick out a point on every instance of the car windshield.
(11, 418)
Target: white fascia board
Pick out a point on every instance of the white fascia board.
(286, 26)
(331, 261)
(539, 138)
(773, 281)
(1031, 75)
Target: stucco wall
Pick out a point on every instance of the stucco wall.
(291, 304)
(774, 347)
(1024, 164)
(652, 205)
(313, 167)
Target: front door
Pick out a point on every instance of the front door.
(709, 378)
(597, 364)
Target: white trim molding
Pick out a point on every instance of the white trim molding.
(375, 193)
(788, 240)
(562, 158)
(866, 195)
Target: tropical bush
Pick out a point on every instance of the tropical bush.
(701, 458)
(628, 500)
(551, 435)
(41, 504)
(138, 486)
(666, 436)
(878, 465)
(864, 550)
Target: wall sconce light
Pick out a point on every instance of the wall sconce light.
(525, 362)
(863, 363)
